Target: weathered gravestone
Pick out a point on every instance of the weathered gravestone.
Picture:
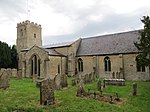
(57, 81)
(134, 87)
(19, 74)
(47, 91)
(64, 82)
(14, 72)
(4, 80)
(73, 82)
(80, 91)
(9, 71)
(99, 85)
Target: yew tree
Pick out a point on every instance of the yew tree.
(143, 43)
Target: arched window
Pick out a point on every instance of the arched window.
(80, 65)
(35, 65)
(140, 68)
(107, 64)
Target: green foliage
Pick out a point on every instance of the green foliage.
(14, 58)
(143, 44)
(23, 96)
(5, 55)
(8, 56)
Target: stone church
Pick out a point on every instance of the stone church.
(106, 56)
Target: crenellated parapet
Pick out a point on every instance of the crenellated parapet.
(27, 22)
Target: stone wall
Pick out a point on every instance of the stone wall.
(10, 72)
(122, 66)
(130, 69)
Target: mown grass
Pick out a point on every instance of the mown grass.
(23, 96)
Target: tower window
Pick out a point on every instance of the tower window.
(21, 32)
(34, 35)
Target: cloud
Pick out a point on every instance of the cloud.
(10, 9)
(67, 20)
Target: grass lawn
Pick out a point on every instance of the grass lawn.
(23, 96)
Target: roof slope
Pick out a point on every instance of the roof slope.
(52, 52)
(109, 44)
(65, 44)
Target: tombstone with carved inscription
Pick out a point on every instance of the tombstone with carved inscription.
(47, 92)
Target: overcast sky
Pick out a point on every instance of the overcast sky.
(68, 20)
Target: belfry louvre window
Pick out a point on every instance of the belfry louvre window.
(34, 35)
(140, 68)
(80, 65)
(107, 64)
(21, 32)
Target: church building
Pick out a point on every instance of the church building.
(106, 56)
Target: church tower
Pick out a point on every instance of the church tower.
(28, 35)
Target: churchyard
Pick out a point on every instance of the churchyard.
(22, 95)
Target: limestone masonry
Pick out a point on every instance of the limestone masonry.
(107, 56)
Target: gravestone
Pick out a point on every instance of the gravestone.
(4, 79)
(80, 91)
(99, 85)
(14, 72)
(73, 82)
(57, 81)
(64, 82)
(9, 72)
(19, 74)
(134, 87)
(47, 91)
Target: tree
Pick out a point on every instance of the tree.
(5, 55)
(143, 43)
(8, 56)
(14, 58)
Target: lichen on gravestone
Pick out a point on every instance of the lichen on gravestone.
(47, 91)
(4, 80)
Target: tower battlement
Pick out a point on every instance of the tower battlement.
(27, 22)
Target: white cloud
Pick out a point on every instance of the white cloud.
(69, 19)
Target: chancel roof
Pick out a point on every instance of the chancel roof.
(109, 44)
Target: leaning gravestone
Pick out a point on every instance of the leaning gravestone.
(4, 80)
(57, 81)
(47, 91)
